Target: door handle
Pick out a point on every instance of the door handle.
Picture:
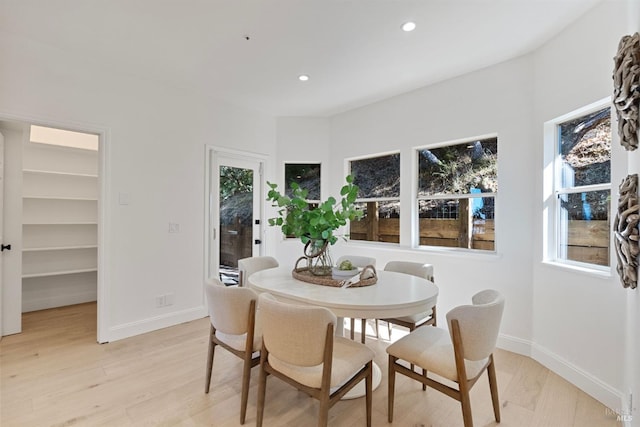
(4, 247)
(257, 241)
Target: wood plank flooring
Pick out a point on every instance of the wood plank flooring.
(54, 374)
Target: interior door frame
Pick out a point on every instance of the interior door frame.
(211, 214)
(103, 291)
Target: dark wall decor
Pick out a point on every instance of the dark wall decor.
(626, 89)
(625, 230)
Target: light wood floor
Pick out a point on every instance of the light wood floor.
(54, 374)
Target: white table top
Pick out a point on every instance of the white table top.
(394, 295)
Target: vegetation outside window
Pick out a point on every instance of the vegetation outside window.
(457, 189)
(378, 180)
(306, 175)
(582, 188)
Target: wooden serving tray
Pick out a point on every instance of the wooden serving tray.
(305, 275)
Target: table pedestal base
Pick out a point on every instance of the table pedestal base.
(360, 389)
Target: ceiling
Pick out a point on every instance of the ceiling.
(250, 52)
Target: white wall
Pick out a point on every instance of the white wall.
(493, 100)
(300, 140)
(154, 149)
(578, 325)
(574, 323)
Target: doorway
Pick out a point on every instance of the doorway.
(52, 188)
(235, 209)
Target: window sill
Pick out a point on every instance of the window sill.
(461, 252)
(453, 252)
(605, 273)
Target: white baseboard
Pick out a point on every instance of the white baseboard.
(127, 330)
(57, 301)
(514, 344)
(604, 393)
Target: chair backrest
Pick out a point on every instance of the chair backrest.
(295, 334)
(248, 266)
(357, 260)
(479, 323)
(228, 306)
(417, 269)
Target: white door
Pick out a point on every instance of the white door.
(235, 207)
(1, 224)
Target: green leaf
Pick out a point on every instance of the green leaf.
(296, 217)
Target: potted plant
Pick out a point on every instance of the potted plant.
(314, 226)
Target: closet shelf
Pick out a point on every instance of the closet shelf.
(83, 199)
(59, 248)
(58, 273)
(62, 223)
(47, 172)
(60, 198)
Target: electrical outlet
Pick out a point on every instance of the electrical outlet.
(174, 227)
(161, 301)
(168, 299)
(123, 198)
(164, 300)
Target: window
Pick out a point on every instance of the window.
(306, 175)
(582, 187)
(457, 189)
(378, 180)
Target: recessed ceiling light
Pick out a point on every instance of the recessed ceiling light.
(408, 26)
(303, 77)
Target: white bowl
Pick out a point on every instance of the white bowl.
(343, 274)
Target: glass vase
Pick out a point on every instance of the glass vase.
(318, 257)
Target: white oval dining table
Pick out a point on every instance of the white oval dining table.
(393, 295)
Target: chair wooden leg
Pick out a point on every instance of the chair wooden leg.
(411, 330)
(493, 385)
(262, 388)
(465, 402)
(323, 413)
(377, 330)
(246, 377)
(364, 330)
(209, 362)
(392, 386)
(389, 330)
(369, 391)
(424, 374)
(353, 326)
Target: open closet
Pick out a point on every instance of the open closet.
(59, 218)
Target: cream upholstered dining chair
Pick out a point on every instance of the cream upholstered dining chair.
(360, 262)
(232, 312)
(250, 265)
(460, 355)
(413, 321)
(300, 348)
